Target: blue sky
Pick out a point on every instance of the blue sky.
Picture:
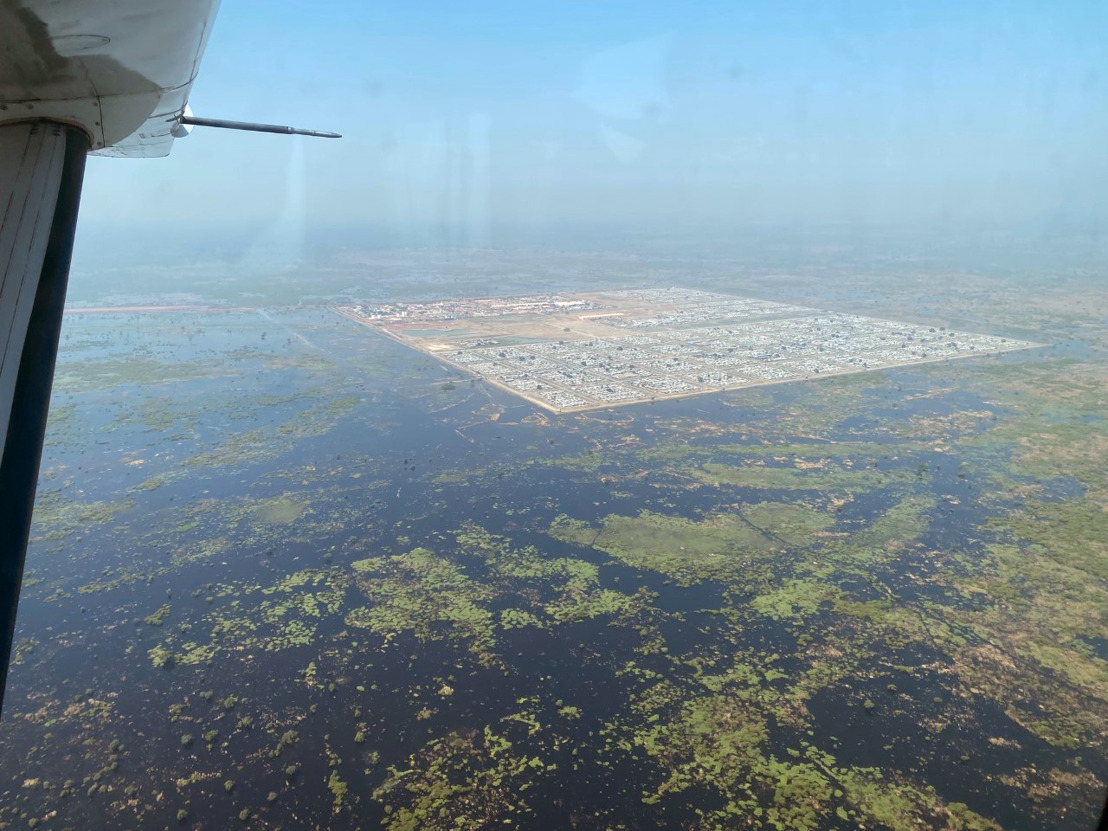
(460, 116)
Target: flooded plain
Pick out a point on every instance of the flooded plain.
(285, 574)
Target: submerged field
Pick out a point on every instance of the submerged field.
(283, 575)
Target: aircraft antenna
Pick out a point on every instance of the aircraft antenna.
(189, 120)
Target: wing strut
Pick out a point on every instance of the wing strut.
(42, 166)
(250, 126)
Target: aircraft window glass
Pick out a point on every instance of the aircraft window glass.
(644, 416)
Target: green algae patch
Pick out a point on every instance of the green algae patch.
(156, 481)
(472, 779)
(1029, 641)
(903, 522)
(338, 407)
(588, 462)
(158, 618)
(368, 565)
(1073, 534)
(267, 443)
(795, 599)
(200, 551)
(793, 523)
(239, 450)
(571, 585)
(676, 451)
(56, 518)
(600, 603)
(106, 374)
(882, 539)
(822, 479)
(273, 618)
(280, 510)
(518, 619)
(460, 477)
(463, 781)
(716, 739)
(427, 595)
(688, 551)
(434, 597)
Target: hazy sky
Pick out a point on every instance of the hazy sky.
(465, 115)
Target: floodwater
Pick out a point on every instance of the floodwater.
(376, 458)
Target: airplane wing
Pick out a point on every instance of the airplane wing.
(121, 70)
